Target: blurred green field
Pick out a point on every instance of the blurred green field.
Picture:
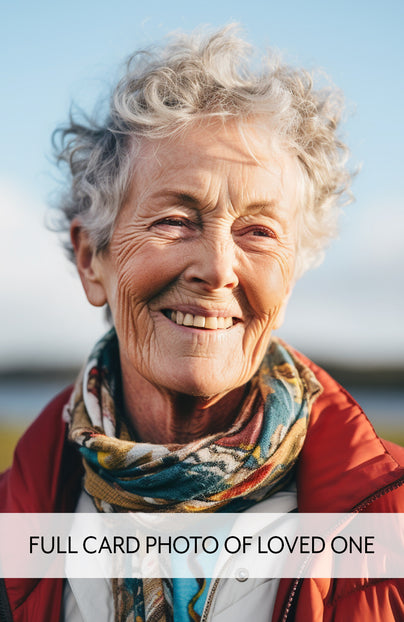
(9, 436)
(391, 434)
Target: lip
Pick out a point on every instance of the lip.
(219, 321)
(200, 331)
(195, 310)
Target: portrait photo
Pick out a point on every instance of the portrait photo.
(202, 223)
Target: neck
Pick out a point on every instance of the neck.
(162, 417)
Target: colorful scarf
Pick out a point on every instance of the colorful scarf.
(228, 471)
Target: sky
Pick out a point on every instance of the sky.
(350, 309)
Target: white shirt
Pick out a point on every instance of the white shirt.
(91, 600)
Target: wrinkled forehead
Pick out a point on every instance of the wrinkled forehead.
(243, 148)
(232, 138)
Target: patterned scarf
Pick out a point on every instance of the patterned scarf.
(229, 471)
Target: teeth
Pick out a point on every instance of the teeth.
(211, 322)
(199, 321)
(228, 321)
(188, 320)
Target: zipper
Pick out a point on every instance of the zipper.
(5, 611)
(209, 600)
(357, 508)
(379, 493)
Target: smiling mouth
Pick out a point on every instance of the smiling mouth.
(199, 321)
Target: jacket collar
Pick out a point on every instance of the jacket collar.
(343, 462)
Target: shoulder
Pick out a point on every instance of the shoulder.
(343, 463)
(395, 450)
(42, 461)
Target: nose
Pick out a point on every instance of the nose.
(213, 265)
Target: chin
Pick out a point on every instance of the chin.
(201, 383)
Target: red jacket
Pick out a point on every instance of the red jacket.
(343, 467)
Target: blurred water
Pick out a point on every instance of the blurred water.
(382, 406)
(21, 402)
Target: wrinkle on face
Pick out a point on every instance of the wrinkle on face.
(205, 224)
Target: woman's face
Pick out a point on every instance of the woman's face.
(201, 260)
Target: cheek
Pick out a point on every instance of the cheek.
(268, 284)
(139, 267)
(138, 276)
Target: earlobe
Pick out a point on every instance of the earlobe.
(88, 265)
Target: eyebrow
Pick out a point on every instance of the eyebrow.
(194, 201)
(179, 196)
(261, 206)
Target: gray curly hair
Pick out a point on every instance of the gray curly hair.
(197, 76)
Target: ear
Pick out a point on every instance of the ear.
(88, 264)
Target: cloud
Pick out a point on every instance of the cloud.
(44, 313)
(379, 235)
(352, 306)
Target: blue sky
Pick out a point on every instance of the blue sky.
(54, 52)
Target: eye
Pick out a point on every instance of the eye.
(175, 227)
(264, 233)
(259, 231)
(173, 222)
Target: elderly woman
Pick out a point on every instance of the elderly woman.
(192, 210)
